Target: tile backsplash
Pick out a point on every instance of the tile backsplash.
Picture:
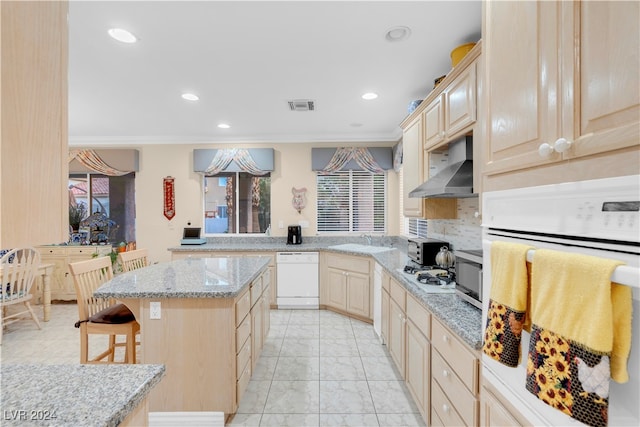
(462, 233)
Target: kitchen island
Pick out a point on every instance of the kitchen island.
(199, 318)
(77, 395)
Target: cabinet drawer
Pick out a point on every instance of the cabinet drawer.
(398, 293)
(463, 362)
(348, 263)
(53, 251)
(242, 333)
(435, 420)
(243, 304)
(419, 316)
(442, 408)
(243, 382)
(256, 291)
(86, 250)
(243, 357)
(466, 403)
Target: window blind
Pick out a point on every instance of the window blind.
(351, 201)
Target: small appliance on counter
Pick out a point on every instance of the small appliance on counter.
(424, 251)
(294, 236)
(191, 236)
(469, 275)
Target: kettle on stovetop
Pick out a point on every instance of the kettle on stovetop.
(444, 258)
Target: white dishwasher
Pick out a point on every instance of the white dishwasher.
(297, 274)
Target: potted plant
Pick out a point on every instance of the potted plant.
(77, 213)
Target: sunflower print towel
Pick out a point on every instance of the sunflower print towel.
(506, 316)
(568, 377)
(503, 333)
(581, 333)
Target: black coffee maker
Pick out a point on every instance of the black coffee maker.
(294, 237)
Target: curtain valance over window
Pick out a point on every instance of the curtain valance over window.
(373, 159)
(256, 161)
(111, 162)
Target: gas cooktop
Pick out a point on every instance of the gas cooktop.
(430, 279)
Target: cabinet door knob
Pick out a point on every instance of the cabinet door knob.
(445, 373)
(445, 338)
(562, 145)
(545, 150)
(445, 408)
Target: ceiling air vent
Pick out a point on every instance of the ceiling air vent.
(301, 105)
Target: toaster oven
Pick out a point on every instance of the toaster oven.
(423, 251)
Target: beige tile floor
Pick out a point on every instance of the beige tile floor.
(317, 368)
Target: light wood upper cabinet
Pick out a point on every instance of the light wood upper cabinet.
(560, 70)
(433, 117)
(33, 124)
(412, 167)
(453, 112)
(460, 102)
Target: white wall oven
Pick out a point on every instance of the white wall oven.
(599, 218)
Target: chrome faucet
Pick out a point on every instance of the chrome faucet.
(368, 237)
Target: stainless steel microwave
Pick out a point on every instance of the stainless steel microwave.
(469, 276)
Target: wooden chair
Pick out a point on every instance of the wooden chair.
(132, 260)
(17, 274)
(94, 312)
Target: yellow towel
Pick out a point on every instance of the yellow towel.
(509, 278)
(506, 316)
(580, 333)
(572, 295)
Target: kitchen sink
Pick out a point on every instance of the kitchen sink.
(356, 247)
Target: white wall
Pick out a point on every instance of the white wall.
(292, 169)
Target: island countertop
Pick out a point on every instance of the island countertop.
(216, 277)
(74, 395)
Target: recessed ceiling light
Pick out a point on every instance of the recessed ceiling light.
(369, 96)
(122, 35)
(224, 126)
(190, 97)
(397, 34)
(356, 125)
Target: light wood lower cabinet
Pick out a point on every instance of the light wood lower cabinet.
(347, 284)
(456, 371)
(397, 321)
(386, 299)
(417, 364)
(496, 411)
(441, 372)
(62, 287)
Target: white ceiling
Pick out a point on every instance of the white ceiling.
(245, 60)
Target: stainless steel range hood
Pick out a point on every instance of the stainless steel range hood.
(456, 179)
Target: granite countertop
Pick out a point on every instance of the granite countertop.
(74, 395)
(462, 318)
(219, 277)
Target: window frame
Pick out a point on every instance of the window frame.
(235, 176)
(351, 192)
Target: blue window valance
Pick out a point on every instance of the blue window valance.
(372, 159)
(211, 161)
